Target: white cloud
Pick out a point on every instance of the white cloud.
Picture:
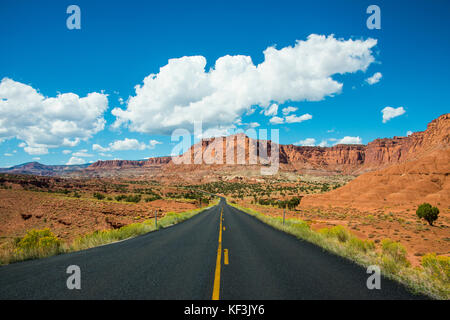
(254, 124)
(8, 154)
(36, 151)
(294, 119)
(349, 140)
(218, 131)
(43, 122)
(82, 153)
(75, 160)
(272, 110)
(66, 151)
(306, 142)
(389, 113)
(36, 158)
(409, 132)
(152, 143)
(183, 92)
(288, 110)
(126, 144)
(323, 143)
(375, 78)
(276, 120)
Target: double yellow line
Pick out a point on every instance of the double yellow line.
(216, 288)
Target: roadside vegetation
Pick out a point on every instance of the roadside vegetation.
(432, 278)
(43, 243)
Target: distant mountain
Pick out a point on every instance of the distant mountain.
(40, 169)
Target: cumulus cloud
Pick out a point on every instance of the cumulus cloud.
(272, 110)
(276, 120)
(43, 122)
(288, 110)
(323, 143)
(183, 92)
(375, 78)
(295, 119)
(306, 142)
(126, 144)
(349, 140)
(389, 113)
(408, 133)
(75, 160)
(36, 150)
(82, 153)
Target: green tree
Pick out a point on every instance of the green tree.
(427, 212)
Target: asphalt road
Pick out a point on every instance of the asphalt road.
(256, 262)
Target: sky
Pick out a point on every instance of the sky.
(136, 71)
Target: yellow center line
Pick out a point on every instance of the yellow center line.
(216, 288)
(225, 256)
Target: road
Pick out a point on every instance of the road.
(255, 261)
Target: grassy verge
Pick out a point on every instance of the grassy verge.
(432, 278)
(43, 243)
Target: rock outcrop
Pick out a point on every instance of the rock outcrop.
(126, 164)
(416, 169)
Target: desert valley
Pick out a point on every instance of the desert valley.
(372, 190)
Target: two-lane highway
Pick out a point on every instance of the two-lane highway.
(236, 257)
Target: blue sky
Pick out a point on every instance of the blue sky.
(120, 43)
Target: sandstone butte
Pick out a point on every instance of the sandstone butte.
(391, 170)
(414, 169)
(347, 159)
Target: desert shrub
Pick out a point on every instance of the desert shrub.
(76, 194)
(393, 256)
(99, 196)
(35, 244)
(427, 212)
(361, 245)
(338, 232)
(120, 197)
(131, 198)
(437, 266)
(38, 239)
(153, 198)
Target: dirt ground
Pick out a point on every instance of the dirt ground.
(70, 217)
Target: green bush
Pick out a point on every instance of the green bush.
(131, 198)
(427, 212)
(153, 198)
(99, 196)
